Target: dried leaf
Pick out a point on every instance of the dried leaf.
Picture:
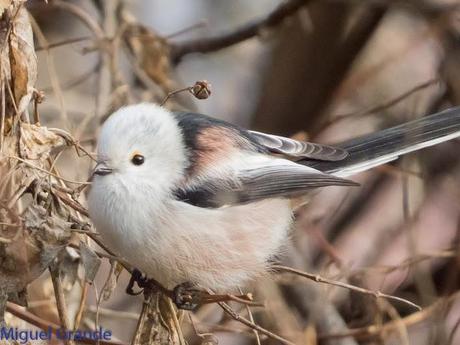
(69, 262)
(90, 261)
(37, 142)
(23, 60)
(33, 234)
(18, 58)
(112, 279)
(24, 259)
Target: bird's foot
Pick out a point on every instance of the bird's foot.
(141, 280)
(187, 296)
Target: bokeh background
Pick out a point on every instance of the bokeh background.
(328, 71)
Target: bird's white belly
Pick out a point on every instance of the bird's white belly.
(220, 249)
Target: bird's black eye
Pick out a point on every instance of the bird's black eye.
(137, 159)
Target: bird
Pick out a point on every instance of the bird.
(193, 201)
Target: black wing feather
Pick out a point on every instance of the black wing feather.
(270, 181)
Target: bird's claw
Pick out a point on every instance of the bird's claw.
(187, 296)
(136, 277)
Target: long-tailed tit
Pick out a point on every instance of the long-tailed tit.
(187, 198)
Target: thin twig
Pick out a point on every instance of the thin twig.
(319, 279)
(390, 103)
(47, 172)
(172, 93)
(381, 107)
(51, 69)
(60, 300)
(82, 306)
(204, 336)
(3, 116)
(72, 203)
(251, 318)
(78, 79)
(199, 25)
(234, 315)
(200, 90)
(208, 297)
(101, 296)
(63, 43)
(82, 15)
(70, 139)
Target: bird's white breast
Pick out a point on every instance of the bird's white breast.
(175, 242)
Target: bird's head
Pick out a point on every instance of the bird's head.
(141, 143)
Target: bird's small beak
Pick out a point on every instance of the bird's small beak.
(101, 169)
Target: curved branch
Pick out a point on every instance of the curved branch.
(210, 44)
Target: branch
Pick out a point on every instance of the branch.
(62, 43)
(211, 44)
(319, 279)
(244, 321)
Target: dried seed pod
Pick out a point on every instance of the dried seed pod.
(201, 89)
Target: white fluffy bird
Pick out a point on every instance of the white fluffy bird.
(186, 198)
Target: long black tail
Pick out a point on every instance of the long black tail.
(387, 145)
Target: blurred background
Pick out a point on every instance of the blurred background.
(324, 70)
